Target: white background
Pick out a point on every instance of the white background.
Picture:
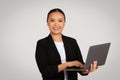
(23, 23)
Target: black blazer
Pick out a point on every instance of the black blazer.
(48, 58)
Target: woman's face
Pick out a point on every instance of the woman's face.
(56, 22)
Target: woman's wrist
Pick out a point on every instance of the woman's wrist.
(85, 72)
(66, 64)
(62, 67)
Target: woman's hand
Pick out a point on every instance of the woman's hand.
(93, 67)
(74, 63)
(63, 66)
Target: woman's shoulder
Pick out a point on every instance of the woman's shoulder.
(42, 40)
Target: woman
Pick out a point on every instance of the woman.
(57, 52)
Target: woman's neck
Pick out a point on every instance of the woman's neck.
(56, 37)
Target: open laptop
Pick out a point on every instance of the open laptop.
(96, 53)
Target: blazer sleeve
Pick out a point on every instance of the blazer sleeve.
(79, 56)
(47, 71)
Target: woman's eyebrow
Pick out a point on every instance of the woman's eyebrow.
(51, 18)
(58, 18)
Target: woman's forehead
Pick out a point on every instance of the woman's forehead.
(56, 14)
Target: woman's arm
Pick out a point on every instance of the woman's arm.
(46, 70)
(79, 57)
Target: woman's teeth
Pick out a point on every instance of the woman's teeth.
(56, 28)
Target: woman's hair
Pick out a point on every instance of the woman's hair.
(55, 10)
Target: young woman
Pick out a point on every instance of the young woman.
(57, 52)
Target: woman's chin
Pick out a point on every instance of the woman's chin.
(56, 33)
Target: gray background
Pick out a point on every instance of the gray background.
(23, 22)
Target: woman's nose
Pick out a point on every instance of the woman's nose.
(56, 23)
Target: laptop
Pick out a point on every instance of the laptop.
(96, 53)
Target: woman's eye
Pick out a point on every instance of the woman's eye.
(51, 20)
(60, 20)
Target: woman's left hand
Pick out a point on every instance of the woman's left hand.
(93, 67)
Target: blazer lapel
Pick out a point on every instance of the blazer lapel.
(66, 46)
(54, 47)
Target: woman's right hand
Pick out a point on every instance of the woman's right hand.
(74, 64)
(63, 66)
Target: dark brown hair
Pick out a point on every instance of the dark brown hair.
(55, 10)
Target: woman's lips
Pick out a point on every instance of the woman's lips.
(56, 28)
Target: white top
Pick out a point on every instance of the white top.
(61, 50)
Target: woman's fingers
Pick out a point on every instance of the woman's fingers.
(74, 63)
(93, 66)
(77, 64)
